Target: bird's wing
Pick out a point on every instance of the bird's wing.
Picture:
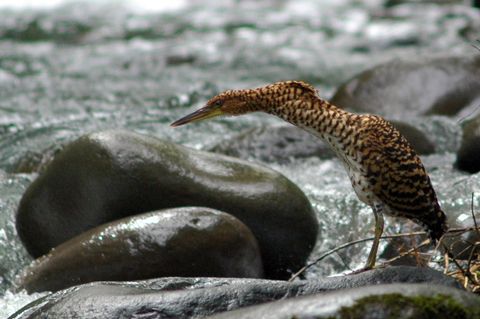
(399, 178)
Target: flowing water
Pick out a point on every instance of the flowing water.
(78, 68)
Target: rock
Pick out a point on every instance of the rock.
(199, 297)
(382, 301)
(191, 242)
(109, 175)
(442, 85)
(274, 144)
(469, 153)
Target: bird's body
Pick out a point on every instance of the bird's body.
(384, 170)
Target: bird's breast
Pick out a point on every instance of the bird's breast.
(350, 159)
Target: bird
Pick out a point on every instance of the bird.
(384, 169)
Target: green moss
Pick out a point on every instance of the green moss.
(394, 306)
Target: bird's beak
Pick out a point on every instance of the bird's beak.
(201, 114)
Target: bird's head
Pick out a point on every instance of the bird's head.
(232, 102)
(237, 102)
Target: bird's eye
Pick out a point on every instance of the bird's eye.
(218, 103)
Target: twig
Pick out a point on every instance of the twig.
(467, 273)
(476, 47)
(466, 116)
(411, 250)
(451, 232)
(351, 243)
(447, 262)
(473, 214)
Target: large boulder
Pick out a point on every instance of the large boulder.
(200, 297)
(109, 175)
(442, 85)
(190, 242)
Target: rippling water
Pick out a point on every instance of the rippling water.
(79, 68)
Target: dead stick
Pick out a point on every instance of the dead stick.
(352, 243)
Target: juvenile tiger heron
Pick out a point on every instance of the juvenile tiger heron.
(384, 170)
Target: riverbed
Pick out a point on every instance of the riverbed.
(76, 68)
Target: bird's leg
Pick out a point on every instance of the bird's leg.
(378, 212)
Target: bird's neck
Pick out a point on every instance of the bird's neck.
(313, 114)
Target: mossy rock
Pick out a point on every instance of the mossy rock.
(109, 175)
(395, 301)
(397, 306)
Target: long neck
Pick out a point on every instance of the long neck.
(309, 112)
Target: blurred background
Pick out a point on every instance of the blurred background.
(69, 68)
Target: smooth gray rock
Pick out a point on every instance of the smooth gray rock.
(109, 175)
(274, 144)
(187, 242)
(199, 297)
(396, 301)
(398, 89)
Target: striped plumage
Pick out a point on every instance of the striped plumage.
(385, 171)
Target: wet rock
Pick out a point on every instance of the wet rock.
(444, 86)
(381, 301)
(468, 156)
(190, 242)
(108, 175)
(199, 297)
(274, 144)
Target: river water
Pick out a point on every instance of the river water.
(75, 68)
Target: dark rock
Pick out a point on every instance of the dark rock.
(190, 242)
(443, 86)
(180, 59)
(274, 144)
(468, 156)
(199, 297)
(382, 301)
(105, 176)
